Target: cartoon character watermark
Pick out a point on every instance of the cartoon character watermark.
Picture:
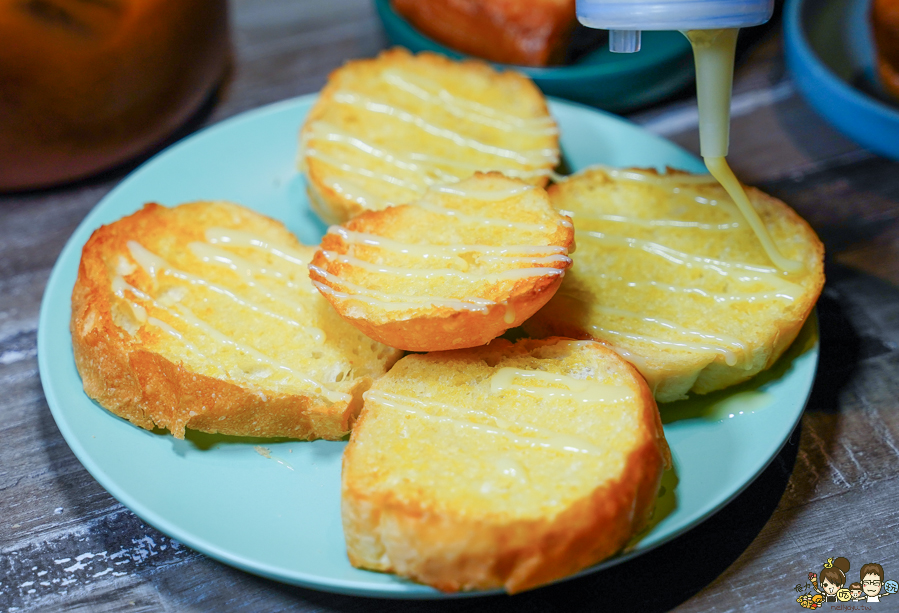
(830, 585)
(872, 582)
(833, 578)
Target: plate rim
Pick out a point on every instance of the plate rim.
(327, 584)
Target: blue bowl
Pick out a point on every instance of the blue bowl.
(830, 53)
(612, 81)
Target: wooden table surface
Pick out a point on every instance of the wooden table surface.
(832, 490)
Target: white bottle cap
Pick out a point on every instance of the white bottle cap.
(673, 14)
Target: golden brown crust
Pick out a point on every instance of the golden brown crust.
(527, 33)
(479, 548)
(436, 327)
(762, 327)
(125, 372)
(470, 80)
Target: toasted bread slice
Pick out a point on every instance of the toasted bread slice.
(385, 129)
(202, 316)
(501, 466)
(524, 32)
(455, 269)
(669, 274)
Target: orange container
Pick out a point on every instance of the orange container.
(885, 20)
(87, 84)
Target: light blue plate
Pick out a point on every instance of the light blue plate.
(279, 517)
(830, 52)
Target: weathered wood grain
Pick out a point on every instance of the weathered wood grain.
(66, 545)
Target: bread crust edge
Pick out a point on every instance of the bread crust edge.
(335, 208)
(151, 391)
(456, 554)
(673, 379)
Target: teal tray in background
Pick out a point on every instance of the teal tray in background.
(615, 82)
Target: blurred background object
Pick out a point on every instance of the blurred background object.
(523, 32)
(588, 73)
(88, 84)
(885, 23)
(830, 52)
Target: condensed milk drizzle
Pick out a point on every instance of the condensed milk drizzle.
(626, 325)
(151, 262)
(390, 301)
(352, 191)
(713, 52)
(680, 289)
(517, 433)
(242, 267)
(141, 315)
(737, 271)
(661, 223)
(480, 219)
(504, 253)
(364, 172)
(495, 263)
(326, 131)
(120, 286)
(539, 156)
(422, 169)
(730, 347)
(583, 390)
(170, 302)
(516, 173)
(674, 180)
(468, 109)
(431, 273)
(489, 195)
(242, 238)
(730, 358)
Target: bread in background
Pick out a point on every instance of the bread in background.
(510, 465)
(668, 273)
(202, 316)
(384, 129)
(885, 21)
(523, 32)
(455, 268)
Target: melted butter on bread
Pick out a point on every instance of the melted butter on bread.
(671, 276)
(386, 129)
(221, 296)
(462, 264)
(549, 457)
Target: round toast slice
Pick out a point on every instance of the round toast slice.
(670, 275)
(454, 269)
(203, 316)
(510, 465)
(384, 129)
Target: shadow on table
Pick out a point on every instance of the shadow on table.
(674, 572)
(656, 581)
(671, 574)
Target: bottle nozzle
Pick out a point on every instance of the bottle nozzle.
(714, 78)
(624, 41)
